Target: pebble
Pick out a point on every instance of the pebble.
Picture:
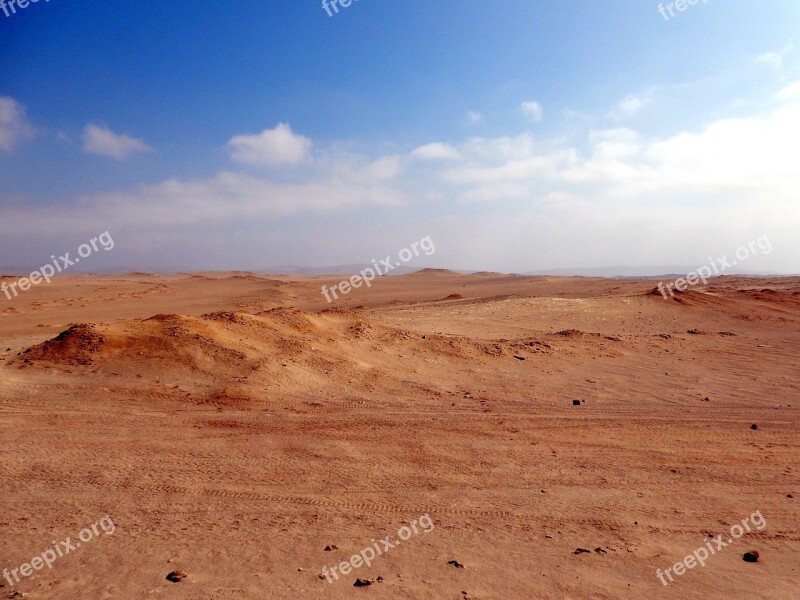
(751, 556)
(455, 563)
(176, 576)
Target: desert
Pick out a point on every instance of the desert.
(234, 426)
(406, 300)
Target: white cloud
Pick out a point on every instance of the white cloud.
(104, 142)
(497, 149)
(532, 109)
(14, 125)
(279, 146)
(628, 107)
(758, 155)
(728, 158)
(436, 151)
(230, 196)
(474, 116)
(494, 193)
(227, 198)
(384, 168)
(790, 93)
(773, 59)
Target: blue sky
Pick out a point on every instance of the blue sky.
(519, 135)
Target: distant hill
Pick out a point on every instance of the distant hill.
(634, 271)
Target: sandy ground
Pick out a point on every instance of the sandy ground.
(233, 426)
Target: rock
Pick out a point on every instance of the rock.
(751, 556)
(576, 403)
(600, 550)
(789, 496)
(455, 563)
(362, 582)
(177, 576)
(519, 357)
(379, 579)
(754, 426)
(581, 551)
(330, 548)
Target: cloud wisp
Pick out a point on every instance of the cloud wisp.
(14, 124)
(102, 141)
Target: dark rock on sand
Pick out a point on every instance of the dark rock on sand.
(176, 576)
(751, 556)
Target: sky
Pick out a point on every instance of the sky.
(519, 135)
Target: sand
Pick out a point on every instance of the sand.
(233, 426)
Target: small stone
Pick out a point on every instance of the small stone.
(789, 496)
(600, 550)
(750, 557)
(519, 357)
(362, 582)
(581, 551)
(330, 548)
(177, 576)
(455, 563)
(753, 426)
(576, 403)
(379, 579)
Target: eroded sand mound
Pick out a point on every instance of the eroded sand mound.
(239, 356)
(74, 346)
